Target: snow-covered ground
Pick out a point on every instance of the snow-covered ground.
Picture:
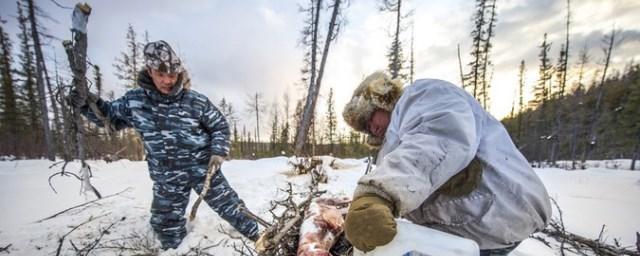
(588, 198)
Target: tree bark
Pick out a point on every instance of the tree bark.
(593, 133)
(51, 152)
(305, 121)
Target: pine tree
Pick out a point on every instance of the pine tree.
(472, 79)
(486, 63)
(631, 118)
(27, 74)
(285, 134)
(255, 105)
(610, 41)
(229, 112)
(521, 80)
(275, 122)
(130, 61)
(11, 123)
(541, 98)
(394, 54)
(40, 82)
(127, 66)
(411, 58)
(332, 120)
(578, 116)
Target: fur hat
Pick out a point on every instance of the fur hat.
(377, 91)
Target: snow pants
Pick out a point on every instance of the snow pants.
(170, 199)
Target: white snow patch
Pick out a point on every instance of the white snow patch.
(588, 198)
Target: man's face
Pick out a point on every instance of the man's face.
(378, 123)
(164, 82)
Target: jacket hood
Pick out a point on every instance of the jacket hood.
(182, 84)
(377, 91)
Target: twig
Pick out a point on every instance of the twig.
(244, 249)
(282, 232)
(5, 249)
(251, 215)
(541, 239)
(561, 225)
(61, 173)
(581, 244)
(61, 6)
(83, 204)
(61, 240)
(92, 245)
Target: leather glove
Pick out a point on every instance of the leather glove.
(215, 162)
(370, 222)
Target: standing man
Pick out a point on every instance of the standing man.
(444, 163)
(183, 134)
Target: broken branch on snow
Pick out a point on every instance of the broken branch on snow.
(579, 244)
(81, 205)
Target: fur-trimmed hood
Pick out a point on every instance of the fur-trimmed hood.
(182, 85)
(377, 91)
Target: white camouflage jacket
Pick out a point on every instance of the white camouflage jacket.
(436, 129)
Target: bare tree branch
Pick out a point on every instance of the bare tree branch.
(81, 205)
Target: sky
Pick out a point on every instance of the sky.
(236, 48)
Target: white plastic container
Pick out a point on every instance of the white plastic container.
(416, 240)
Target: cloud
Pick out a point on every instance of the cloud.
(234, 48)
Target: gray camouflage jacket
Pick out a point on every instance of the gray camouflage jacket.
(180, 131)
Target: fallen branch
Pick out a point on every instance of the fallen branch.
(92, 245)
(244, 249)
(251, 215)
(5, 248)
(61, 240)
(136, 243)
(81, 205)
(281, 238)
(581, 244)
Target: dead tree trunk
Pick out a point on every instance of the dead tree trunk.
(579, 114)
(314, 88)
(51, 152)
(593, 132)
(77, 55)
(305, 120)
(636, 153)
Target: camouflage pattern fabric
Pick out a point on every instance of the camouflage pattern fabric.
(180, 131)
(159, 55)
(170, 201)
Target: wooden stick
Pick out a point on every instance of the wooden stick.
(207, 183)
(251, 215)
(83, 204)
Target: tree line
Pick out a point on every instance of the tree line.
(27, 91)
(574, 120)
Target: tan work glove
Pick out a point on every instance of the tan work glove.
(261, 243)
(215, 162)
(370, 222)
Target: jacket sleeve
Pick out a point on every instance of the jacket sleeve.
(216, 124)
(117, 111)
(437, 139)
